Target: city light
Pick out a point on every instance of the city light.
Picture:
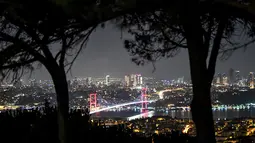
(121, 105)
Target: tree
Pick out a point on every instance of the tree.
(206, 30)
(29, 28)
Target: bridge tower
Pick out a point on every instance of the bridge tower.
(92, 101)
(144, 99)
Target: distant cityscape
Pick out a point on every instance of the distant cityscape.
(231, 78)
(128, 99)
(111, 90)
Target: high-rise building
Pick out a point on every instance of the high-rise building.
(75, 82)
(224, 79)
(237, 76)
(89, 80)
(139, 80)
(219, 79)
(136, 79)
(107, 80)
(231, 76)
(251, 80)
(242, 82)
(133, 80)
(180, 80)
(127, 80)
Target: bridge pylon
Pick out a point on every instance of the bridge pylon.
(144, 99)
(92, 101)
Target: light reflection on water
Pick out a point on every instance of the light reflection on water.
(218, 114)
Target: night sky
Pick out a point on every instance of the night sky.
(105, 54)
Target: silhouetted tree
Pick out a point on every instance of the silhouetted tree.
(206, 29)
(29, 30)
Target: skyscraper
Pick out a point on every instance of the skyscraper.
(224, 79)
(136, 79)
(251, 80)
(89, 80)
(107, 80)
(219, 79)
(133, 80)
(237, 76)
(180, 80)
(231, 76)
(139, 79)
(127, 80)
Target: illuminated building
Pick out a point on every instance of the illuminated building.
(139, 79)
(237, 76)
(242, 82)
(224, 79)
(127, 80)
(133, 80)
(107, 80)
(219, 79)
(251, 80)
(180, 80)
(89, 80)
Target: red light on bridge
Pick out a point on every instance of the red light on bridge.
(144, 98)
(92, 101)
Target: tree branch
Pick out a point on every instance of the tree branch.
(166, 24)
(46, 51)
(86, 37)
(215, 49)
(238, 47)
(63, 52)
(171, 41)
(23, 45)
(18, 64)
(207, 35)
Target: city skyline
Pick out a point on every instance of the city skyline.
(104, 76)
(105, 55)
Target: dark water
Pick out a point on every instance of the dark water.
(218, 114)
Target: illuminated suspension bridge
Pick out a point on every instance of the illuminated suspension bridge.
(93, 102)
(121, 105)
(144, 103)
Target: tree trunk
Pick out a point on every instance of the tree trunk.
(201, 106)
(61, 87)
(202, 114)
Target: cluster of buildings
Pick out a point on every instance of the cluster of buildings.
(133, 80)
(233, 131)
(233, 78)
